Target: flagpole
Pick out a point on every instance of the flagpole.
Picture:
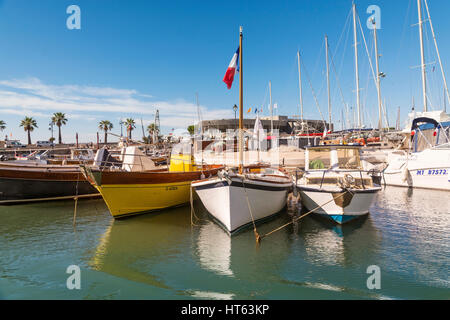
(241, 105)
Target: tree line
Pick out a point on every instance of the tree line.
(59, 119)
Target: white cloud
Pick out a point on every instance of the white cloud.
(32, 97)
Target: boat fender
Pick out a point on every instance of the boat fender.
(405, 174)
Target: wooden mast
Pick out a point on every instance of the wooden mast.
(241, 106)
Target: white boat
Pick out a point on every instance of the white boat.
(237, 201)
(427, 165)
(335, 184)
(246, 196)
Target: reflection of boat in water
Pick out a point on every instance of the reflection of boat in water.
(132, 248)
(342, 245)
(239, 256)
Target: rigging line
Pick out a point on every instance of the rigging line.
(312, 89)
(319, 58)
(347, 22)
(342, 60)
(402, 38)
(367, 51)
(338, 83)
(437, 51)
(368, 55)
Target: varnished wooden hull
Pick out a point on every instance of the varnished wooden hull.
(24, 184)
(131, 193)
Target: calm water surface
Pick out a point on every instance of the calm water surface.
(161, 256)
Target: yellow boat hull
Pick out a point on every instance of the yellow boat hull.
(132, 199)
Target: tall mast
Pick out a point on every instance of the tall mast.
(355, 40)
(241, 105)
(439, 58)
(328, 83)
(422, 57)
(271, 108)
(300, 86)
(380, 119)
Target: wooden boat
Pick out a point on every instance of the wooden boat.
(334, 183)
(127, 192)
(33, 182)
(239, 199)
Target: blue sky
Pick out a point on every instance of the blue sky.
(131, 57)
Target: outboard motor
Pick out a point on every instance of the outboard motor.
(103, 159)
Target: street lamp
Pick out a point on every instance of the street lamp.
(235, 108)
(121, 131)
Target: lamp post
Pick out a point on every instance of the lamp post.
(121, 129)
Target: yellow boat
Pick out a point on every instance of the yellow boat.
(129, 193)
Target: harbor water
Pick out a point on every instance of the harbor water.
(162, 256)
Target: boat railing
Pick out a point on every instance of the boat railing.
(372, 173)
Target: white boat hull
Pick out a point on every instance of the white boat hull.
(429, 169)
(229, 203)
(338, 206)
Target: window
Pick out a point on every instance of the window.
(349, 159)
(319, 159)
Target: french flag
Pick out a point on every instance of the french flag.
(231, 71)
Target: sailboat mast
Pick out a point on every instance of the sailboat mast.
(241, 106)
(355, 38)
(300, 86)
(271, 108)
(380, 119)
(422, 57)
(439, 58)
(328, 82)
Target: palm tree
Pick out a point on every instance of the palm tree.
(130, 125)
(106, 126)
(28, 125)
(2, 125)
(59, 119)
(151, 129)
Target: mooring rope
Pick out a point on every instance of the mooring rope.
(193, 215)
(301, 217)
(257, 236)
(76, 200)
